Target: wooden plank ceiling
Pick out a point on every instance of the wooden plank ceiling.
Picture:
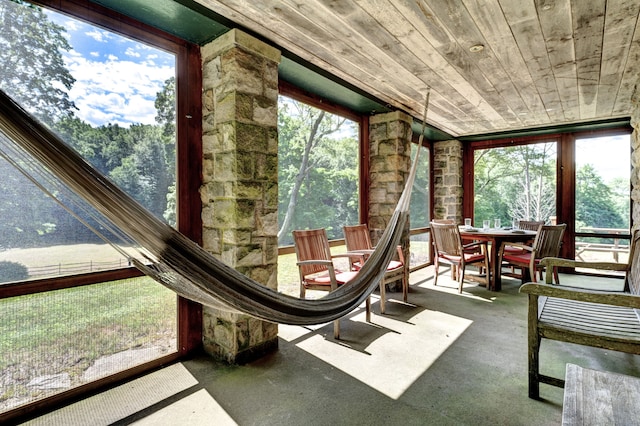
(539, 62)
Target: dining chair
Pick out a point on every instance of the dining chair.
(449, 250)
(358, 239)
(316, 268)
(525, 225)
(530, 225)
(547, 243)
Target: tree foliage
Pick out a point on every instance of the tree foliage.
(32, 68)
(140, 158)
(317, 170)
(515, 182)
(596, 204)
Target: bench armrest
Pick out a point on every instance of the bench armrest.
(555, 262)
(582, 295)
(569, 263)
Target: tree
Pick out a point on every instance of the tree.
(143, 173)
(317, 170)
(32, 68)
(166, 116)
(595, 201)
(516, 182)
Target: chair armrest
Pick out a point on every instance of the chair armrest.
(517, 245)
(582, 295)
(474, 245)
(360, 255)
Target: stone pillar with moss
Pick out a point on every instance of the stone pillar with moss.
(389, 165)
(240, 182)
(447, 180)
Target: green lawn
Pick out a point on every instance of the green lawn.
(66, 331)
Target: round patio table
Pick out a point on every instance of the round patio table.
(496, 236)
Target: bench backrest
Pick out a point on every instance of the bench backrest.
(632, 284)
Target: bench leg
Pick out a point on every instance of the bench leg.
(534, 348)
(534, 368)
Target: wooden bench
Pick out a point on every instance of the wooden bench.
(593, 397)
(609, 320)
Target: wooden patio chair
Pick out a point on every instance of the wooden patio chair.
(449, 250)
(358, 239)
(316, 267)
(527, 257)
(525, 225)
(530, 225)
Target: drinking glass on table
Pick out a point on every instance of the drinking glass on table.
(486, 224)
(467, 222)
(496, 223)
(514, 224)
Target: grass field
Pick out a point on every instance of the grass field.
(60, 334)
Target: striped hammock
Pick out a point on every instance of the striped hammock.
(165, 254)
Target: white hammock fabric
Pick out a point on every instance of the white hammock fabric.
(172, 259)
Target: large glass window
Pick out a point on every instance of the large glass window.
(112, 98)
(318, 169)
(603, 198)
(318, 178)
(515, 183)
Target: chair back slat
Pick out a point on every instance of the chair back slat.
(549, 240)
(529, 225)
(312, 244)
(446, 238)
(357, 237)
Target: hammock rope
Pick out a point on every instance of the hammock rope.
(167, 255)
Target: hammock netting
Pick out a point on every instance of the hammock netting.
(165, 254)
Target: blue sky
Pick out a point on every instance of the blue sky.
(117, 78)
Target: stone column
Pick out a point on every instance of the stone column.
(635, 158)
(240, 182)
(389, 164)
(447, 180)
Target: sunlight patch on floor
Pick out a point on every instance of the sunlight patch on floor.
(389, 364)
(118, 403)
(196, 409)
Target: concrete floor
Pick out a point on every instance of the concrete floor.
(442, 359)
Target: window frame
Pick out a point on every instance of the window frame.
(294, 92)
(188, 180)
(565, 174)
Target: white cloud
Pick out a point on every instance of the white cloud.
(98, 35)
(132, 52)
(121, 92)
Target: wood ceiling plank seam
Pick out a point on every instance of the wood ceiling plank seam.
(630, 78)
(434, 82)
(588, 27)
(467, 81)
(454, 101)
(257, 22)
(406, 104)
(619, 25)
(360, 20)
(492, 24)
(557, 30)
(490, 79)
(523, 20)
(500, 77)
